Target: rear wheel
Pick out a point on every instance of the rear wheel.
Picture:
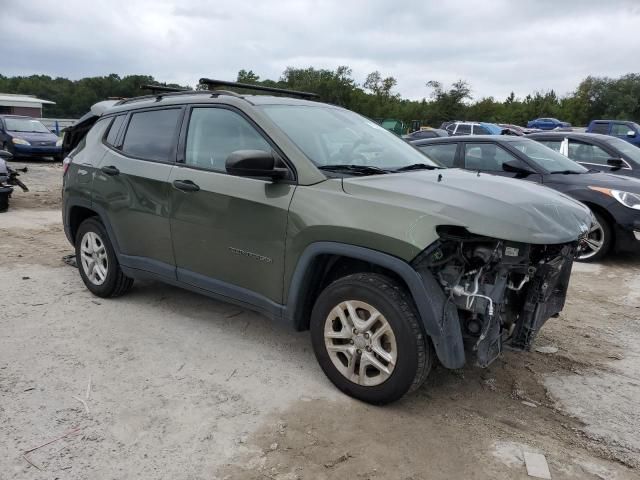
(598, 242)
(97, 262)
(367, 338)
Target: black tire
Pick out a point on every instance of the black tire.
(414, 351)
(115, 282)
(607, 236)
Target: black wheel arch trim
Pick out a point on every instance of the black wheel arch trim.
(439, 318)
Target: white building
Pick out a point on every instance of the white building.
(17, 104)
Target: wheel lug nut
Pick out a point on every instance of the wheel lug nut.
(351, 342)
(366, 335)
(355, 331)
(368, 348)
(358, 351)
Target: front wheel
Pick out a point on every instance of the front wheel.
(598, 241)
(97, 262)
(367, 339)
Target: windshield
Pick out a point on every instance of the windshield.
(25, 125)
(547, 158)
(333, 136)
(626, 148)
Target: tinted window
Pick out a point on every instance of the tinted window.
(451, 128)
(631, 151)
(444, 153)
(545, 157)
(480, 130)
(151, 134)
(215, 133)
(463, 129)
(486, 156)
(583, 152)
(620, 129)
(114, 130)
(600, 127)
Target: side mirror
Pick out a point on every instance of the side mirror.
(4, 155)
(517, 167)
(254, 163)
(615, 162)
(631, 133)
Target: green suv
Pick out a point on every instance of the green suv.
(318, 217)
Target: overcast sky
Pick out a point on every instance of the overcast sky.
(498, 46)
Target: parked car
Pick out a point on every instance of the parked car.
(473, 128)
(28, 137)
(594, 151)
(614, 200)
(629, 131)
(426, 133)
(547, 123)
(517, 129)
(318, 217)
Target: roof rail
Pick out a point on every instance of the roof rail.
(213, 84)
(163, 88)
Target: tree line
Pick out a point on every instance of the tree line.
(594, 97)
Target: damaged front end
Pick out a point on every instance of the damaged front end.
(502, 291)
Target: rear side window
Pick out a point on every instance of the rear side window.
(487, 156)
(151, 134)
(116, 125)
(445, 153)
(600, 127)
(552, 144)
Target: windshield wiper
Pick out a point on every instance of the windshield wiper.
(565, 172)
(417, 166)
(355, 169)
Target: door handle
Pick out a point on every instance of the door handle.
(186, 185)
(110, 170)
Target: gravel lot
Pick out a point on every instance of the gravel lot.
(179, 386)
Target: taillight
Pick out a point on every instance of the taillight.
(65, 165)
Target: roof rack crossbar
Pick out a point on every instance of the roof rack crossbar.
(163, 88)
(212, 84)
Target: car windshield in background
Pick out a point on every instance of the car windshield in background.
(331, 136)
(547, 158)
(25, 125)
(625, 147)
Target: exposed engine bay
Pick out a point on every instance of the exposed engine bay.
(503, 291)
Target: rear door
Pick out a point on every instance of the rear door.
(132, 186)
(228, 232)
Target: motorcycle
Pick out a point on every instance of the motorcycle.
(9, 179)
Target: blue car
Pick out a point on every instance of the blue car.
(625, 130)
(547, 123)
(28, 137)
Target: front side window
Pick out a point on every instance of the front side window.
(151, 134)
(624, 147)
(480, 130)
(215, 133)
(445, 153)
(331, 136)
(552, 144)
(620, 129)
(583, 152)
(487, 156)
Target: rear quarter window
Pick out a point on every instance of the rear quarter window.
(151, 134)
(114, 129)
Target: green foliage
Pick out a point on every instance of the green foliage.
(595, 97)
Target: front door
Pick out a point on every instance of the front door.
(228, 232)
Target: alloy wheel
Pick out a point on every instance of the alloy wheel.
(360, 343)
(93, 256)
(593, 242)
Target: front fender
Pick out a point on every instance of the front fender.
(439, 318)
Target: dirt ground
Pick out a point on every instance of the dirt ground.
(163, 383)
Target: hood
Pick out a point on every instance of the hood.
(487, 205)
(35, 136)
(606, 180)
